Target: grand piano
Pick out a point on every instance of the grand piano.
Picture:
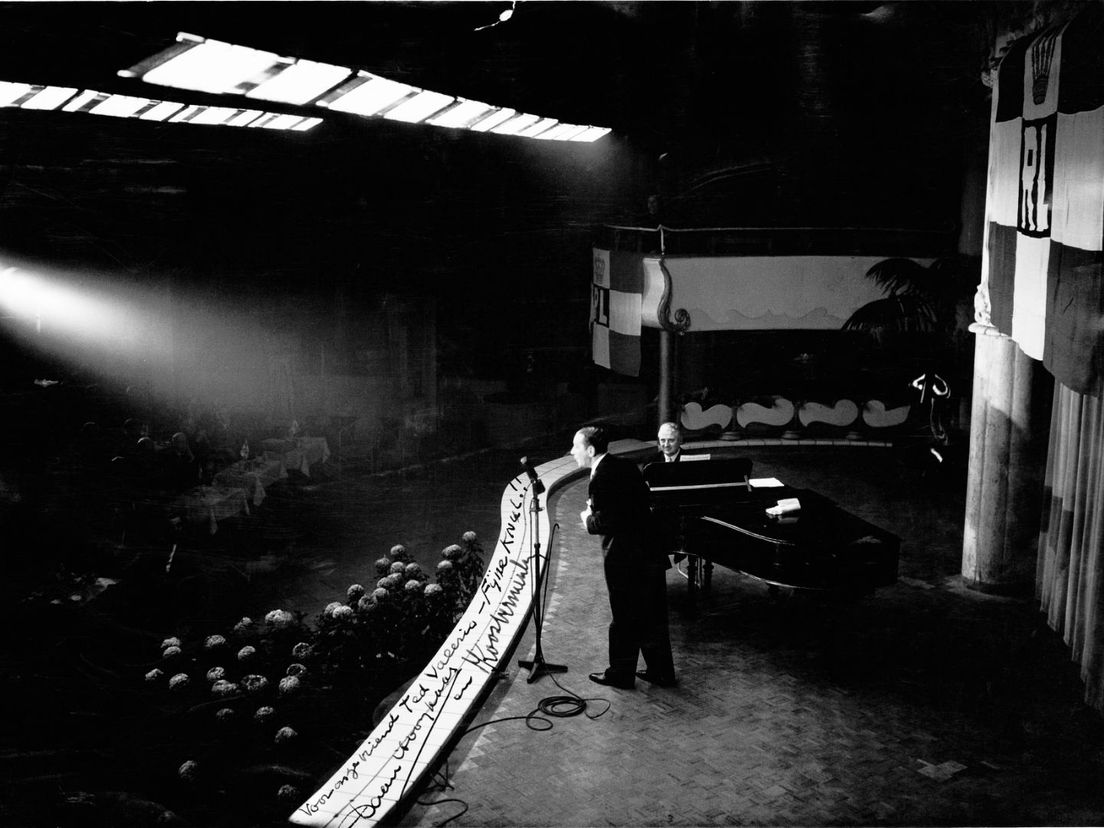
(713, 512)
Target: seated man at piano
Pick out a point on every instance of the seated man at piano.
(669, 442)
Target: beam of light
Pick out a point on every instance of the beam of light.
(91, 102)
(152, 332)
(199, 64)
(72, 315)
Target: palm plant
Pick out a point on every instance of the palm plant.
(919, 300)
(920, 326)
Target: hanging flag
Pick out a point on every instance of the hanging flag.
(1045, 200)
(615, 310)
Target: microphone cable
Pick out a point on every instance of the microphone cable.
(554, 707)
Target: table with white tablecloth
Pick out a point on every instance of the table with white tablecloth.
(211, 504)
(254, 476)
(298, 453)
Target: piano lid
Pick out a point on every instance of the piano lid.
(669, 480)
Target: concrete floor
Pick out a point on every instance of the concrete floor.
(924, 704)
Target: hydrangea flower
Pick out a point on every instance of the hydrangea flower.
(213, 641)
(470, 538)
(289, 685)
(330, 607)
(247, 653)
(367, 603)
(179, 682)
(280, 618)
(288, 793)
(302, 651)
(413, 570)
(296, 669)
(254, 683)
(380, 594)
(354, 593)
(244, 626)
(413, 585)
(170, 652)
(383, 566)
(155, 675)
(452, 552)
(285, 735)
(264, 714)
(216, 674)
(397, 568)
(225, 715)
(171, 642)
(343, 613)
(395, 580)
(398, 552)
(223, 688)
(444, 568)
(433, 590)
(189, 771)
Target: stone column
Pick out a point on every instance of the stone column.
(1004, 485)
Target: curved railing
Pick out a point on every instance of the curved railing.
(407, 742)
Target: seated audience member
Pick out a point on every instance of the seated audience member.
(180, 471)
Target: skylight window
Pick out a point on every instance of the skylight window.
(91, 102)
(370, 97)
(300, 82)
(460, 115)
(49, 97)
(196, 63)
(420, 107)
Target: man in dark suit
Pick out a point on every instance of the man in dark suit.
(634, 563)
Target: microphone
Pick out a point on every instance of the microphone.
(534, 479)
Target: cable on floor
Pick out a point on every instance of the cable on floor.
(557, 707)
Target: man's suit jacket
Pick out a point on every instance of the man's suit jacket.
(659, 457)
(620, 514)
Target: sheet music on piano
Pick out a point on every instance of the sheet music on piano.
(765, 483)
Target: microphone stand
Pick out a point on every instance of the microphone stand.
(537, 666)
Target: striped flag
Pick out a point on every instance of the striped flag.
(1045, 200)
(615, 310)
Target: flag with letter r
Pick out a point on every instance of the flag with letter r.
(1044, 232)
(615, 310)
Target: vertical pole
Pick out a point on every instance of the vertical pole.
(666, 376)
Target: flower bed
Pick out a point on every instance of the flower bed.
(253, 715)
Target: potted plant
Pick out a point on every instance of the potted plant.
(918, 329)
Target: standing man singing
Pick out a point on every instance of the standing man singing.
(634, 564)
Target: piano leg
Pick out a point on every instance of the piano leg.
(692, 581)
(707, 578)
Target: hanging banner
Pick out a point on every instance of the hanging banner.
(1045, 200)
(616, 293)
